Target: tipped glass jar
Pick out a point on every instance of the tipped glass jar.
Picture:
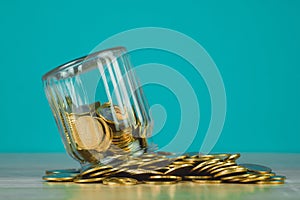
(99, 107)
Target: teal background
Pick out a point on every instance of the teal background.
(255, 45)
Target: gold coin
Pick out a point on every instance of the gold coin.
(95, 168)
(205, 163)
(271, 182)
(227, 172)
(165, 178)
(104, 172)
(107, 138)
(181, 162)
(162, 162)
(195, 156)
(153, 172)
(89, 133)
(119, 181)
(61, 177)
(128, 181)
(181, 157)
(208, 167)
(111, 182)
(248, 179)
(162, 180)
(197, 177)
(262, 177)
(142, 171)
(269, 174)
(68, 121)
(234, 157)
(192, 160)
(208, 156)
(253, 178)
(207, 181)
(280, 178)
(222, 165)
(223, 168)
(221, 156)
(179, 170)
(235, 177)
(88, 180)
(200, 158)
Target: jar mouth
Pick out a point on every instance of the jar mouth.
(71, 64)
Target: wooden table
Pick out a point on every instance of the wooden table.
(20, 178)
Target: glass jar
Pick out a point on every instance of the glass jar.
(99, 107)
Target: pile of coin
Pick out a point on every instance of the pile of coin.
(96, 131)
(164, 168)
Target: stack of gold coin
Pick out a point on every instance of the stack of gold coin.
(123, 139)
(97, 131)
(117, 120)
(155, 168)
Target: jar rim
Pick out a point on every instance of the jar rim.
(79, 60)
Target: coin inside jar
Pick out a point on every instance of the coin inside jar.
(110, 113)
(89, 132)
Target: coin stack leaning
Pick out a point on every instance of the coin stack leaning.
(163, 168)
(98, 131)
